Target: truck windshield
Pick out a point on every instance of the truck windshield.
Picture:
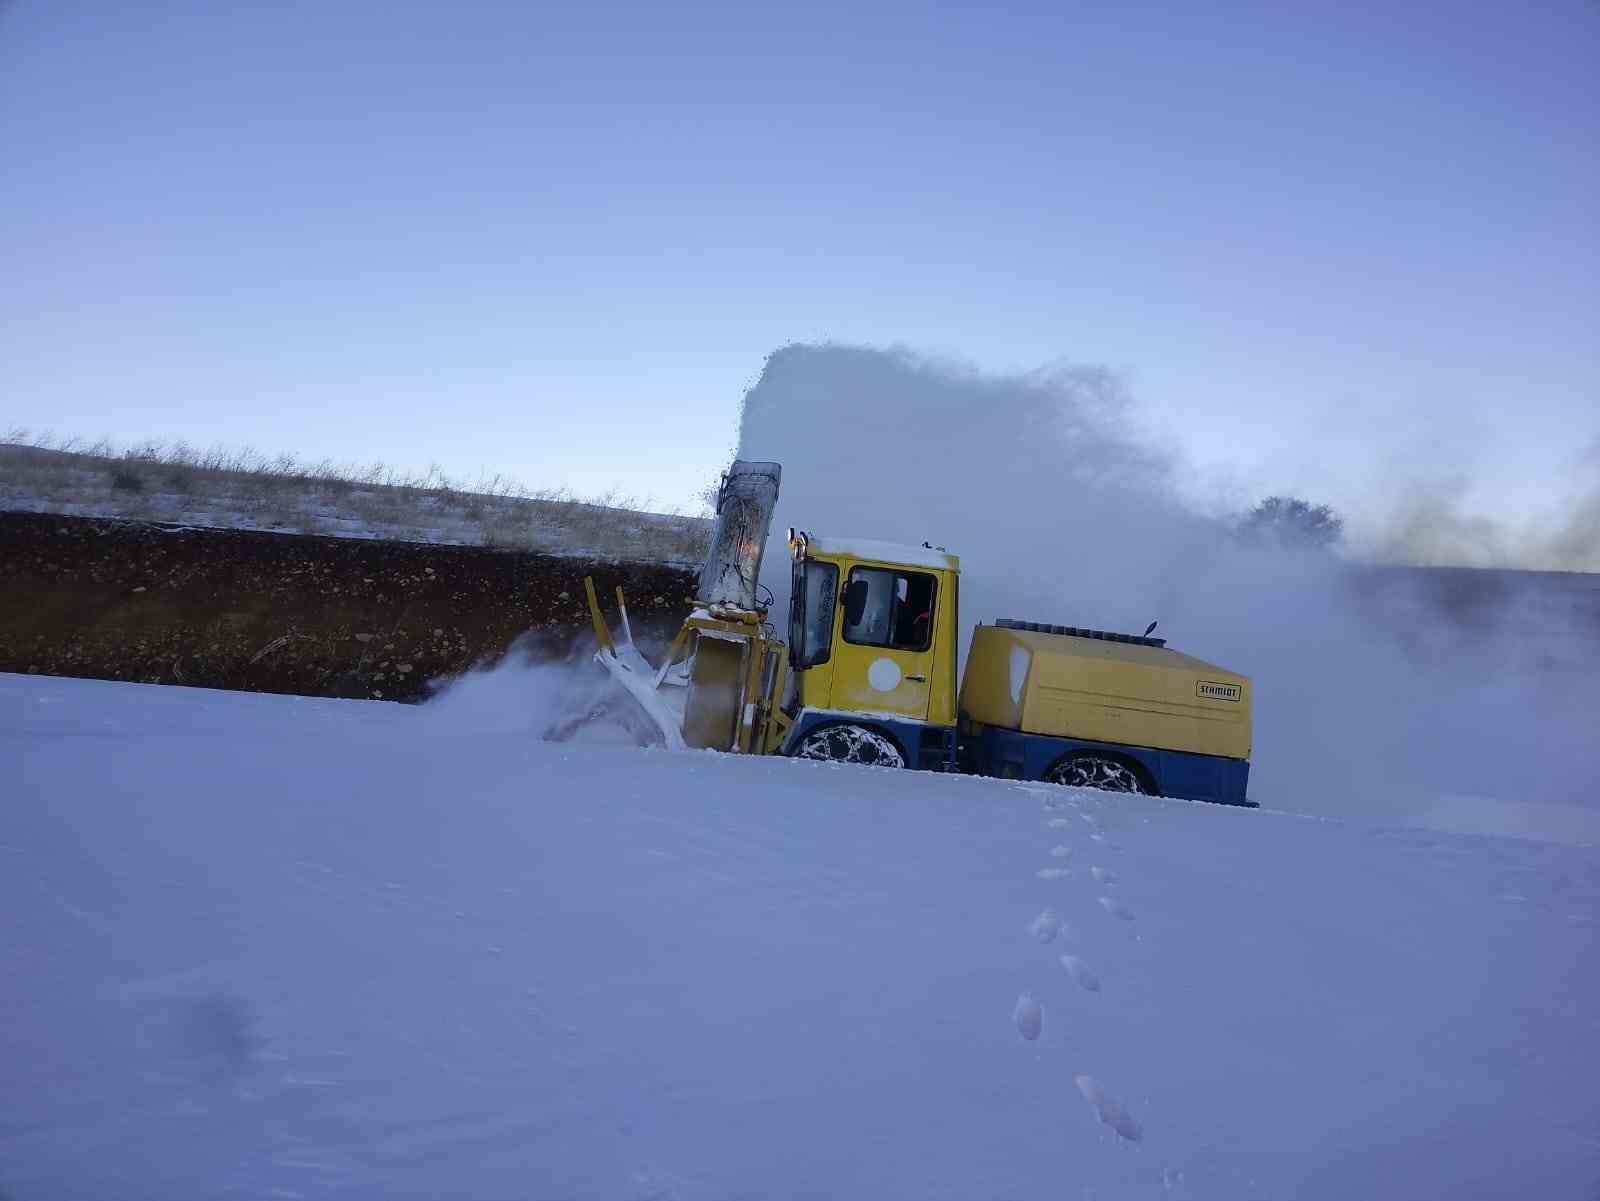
(816, 595)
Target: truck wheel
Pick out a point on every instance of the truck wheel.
(1096, 771)
(850, 744)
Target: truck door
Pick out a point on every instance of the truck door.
(883, 655)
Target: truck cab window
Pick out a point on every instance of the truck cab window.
(898, 609)
(815, 596)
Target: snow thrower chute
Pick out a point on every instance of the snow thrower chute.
(719, 683)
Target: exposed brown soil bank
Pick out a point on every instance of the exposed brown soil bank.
(291, 613)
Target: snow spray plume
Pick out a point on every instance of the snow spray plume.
(1060, 514)
(1430, 523)
(547, 691)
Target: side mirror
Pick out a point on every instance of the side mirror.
(855, 602)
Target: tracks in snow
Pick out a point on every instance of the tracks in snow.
(1049, 927)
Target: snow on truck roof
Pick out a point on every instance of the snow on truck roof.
(903, 554)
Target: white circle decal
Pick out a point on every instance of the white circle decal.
(884, 675)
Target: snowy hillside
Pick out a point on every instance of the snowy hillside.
(245, 492)
(271, 947)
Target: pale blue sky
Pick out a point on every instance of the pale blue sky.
(1334, 246)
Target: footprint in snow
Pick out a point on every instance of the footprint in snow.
(218, 1034)
(1046, 926)
(1061, 852)
(1108, 1110)
(1057, 823)
(1052, 873)
(1102, 876)
(1116, 909)
(1076, 968)
(653, 1184)
(1029, 1016)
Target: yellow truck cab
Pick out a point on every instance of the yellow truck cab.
(872, 652)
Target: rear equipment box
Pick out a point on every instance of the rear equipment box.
(1099, 687)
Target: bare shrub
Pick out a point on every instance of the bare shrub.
(125, 478)
(180, 477)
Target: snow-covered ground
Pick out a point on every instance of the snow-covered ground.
(262, 947)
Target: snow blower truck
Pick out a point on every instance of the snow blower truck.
(868, 672)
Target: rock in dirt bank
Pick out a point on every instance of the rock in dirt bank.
(290, 613)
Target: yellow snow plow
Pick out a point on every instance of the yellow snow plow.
(868, 672)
